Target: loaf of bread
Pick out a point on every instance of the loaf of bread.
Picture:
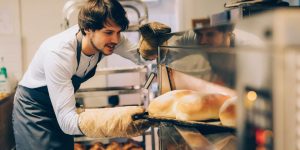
(200, 106)
(163, 106)
(228, 112)
(187, 105)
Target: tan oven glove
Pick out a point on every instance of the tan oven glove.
(112, 122)
(152, 38)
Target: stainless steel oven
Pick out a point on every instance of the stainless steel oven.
(194, 60)
(258, 60)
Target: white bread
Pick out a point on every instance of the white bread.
(187, 105)
(228, 112)
(163, 105)
(200, 106)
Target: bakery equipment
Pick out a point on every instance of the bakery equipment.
(268, 82)
(194, 60)
(260, 66)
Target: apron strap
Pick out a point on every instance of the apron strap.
(78, 80)
(78, 48)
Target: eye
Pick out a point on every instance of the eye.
(210, 34)
(108, 32)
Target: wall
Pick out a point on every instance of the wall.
(39, 20)
(293, 2)
(186, 10)
(10, 37)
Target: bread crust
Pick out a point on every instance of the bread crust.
(228, 113)
(163, 105)
(200, 107)
(187, 105)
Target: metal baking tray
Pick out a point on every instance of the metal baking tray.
(204, 127)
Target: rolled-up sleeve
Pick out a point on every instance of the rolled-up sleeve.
(59, 68)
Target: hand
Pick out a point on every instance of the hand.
(112, 122)
(151, 39)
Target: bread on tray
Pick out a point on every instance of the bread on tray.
(228, 112)
(187, 105)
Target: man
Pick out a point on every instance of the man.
(44, 115)
(219, 36)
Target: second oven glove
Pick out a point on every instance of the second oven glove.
(152, 37)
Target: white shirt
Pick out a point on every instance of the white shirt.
(55, 63)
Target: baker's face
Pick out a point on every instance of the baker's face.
(105, 39)
(212, 37)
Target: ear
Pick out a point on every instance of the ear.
(229, 33)
(228, 38)
(88, 31)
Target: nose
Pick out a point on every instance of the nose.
(203, 40)
(115, 38)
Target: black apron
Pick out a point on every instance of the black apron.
(34, 121)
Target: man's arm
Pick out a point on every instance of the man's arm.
(59, 67)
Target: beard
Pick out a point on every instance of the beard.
(94, 46)
(99, 49)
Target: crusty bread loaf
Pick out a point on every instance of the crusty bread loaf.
(187, 105)
(200, 106)
(228, 112)
(163, 105)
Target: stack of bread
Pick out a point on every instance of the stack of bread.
(188, 105)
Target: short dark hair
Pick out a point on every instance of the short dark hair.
(96, 13)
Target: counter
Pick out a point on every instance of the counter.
(6, 128)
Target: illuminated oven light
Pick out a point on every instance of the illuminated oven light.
(251, 95)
